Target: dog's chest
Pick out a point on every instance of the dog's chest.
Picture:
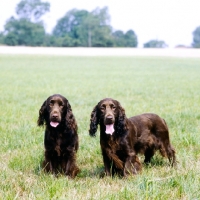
(58, 144)
(113, 144)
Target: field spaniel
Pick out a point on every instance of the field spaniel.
(121, 139)
(61, 139)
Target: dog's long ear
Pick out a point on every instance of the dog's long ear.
(70, 119)
(42, 112)
(94, 121)
(121, 125)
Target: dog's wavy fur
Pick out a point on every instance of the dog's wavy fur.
(61, 142)
(118, 151)
(144, 134)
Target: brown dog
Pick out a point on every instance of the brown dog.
(121, 139)
(61, 139)
(117, 138)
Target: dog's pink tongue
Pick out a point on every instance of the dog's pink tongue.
(110, 129)
(54, 124)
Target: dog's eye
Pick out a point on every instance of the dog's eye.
(60, 104)
(102, 107)
(51, 103)
(112, 107)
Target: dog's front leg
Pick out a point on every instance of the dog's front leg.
(71, 170)
(107, 164)
(51, 167)
(68, 165)
(49, 162)
(132, 165)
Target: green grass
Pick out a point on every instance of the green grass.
(169, 87)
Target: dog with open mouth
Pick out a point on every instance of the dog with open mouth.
(117, 138)
(61, 138)
(122, 138)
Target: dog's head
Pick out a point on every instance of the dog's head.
(109, 113)
(54, 111)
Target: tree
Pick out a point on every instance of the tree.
(23, 32)
(155, 44)
(1, 38)
(196, 38)
(118, 37)
(27, 29)
(32, 10)
(85, 28)
(99, 28)
(129, 39)
(68, 25)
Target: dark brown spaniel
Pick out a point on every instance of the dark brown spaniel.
(61, 138)
(117, 138)
(121, 139)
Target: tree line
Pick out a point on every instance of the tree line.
(77, 28)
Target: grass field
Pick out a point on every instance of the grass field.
(167, 86)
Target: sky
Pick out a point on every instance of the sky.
(172, 21)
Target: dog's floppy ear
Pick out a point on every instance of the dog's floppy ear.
(94, 121)
(42, 113)
(121, 126)
(70, 119)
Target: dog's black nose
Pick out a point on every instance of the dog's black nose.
(109, 119)
(55, 115)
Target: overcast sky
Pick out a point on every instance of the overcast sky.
(170, 20)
